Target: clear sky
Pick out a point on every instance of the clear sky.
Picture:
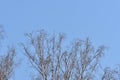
(97, 19)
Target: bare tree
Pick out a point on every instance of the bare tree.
(55, 62)
(111, 74)
(6, 61)
(7, 64)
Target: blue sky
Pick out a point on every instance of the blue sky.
(97, 19)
